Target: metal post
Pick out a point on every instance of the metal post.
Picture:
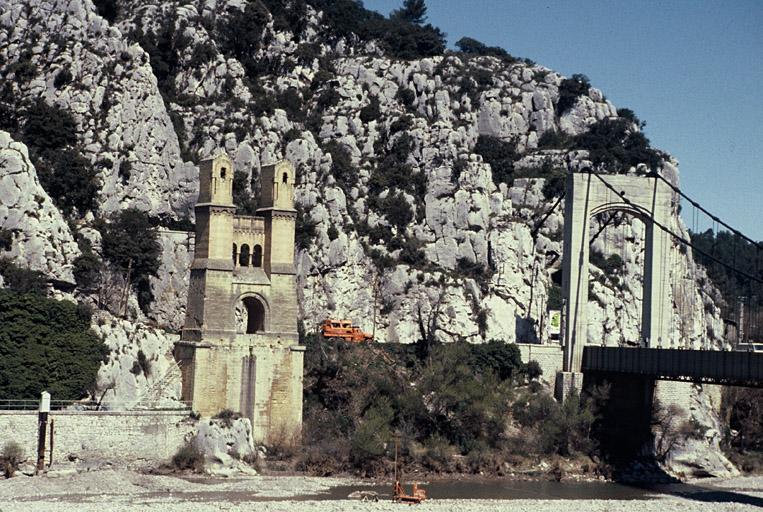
(42, 418)
(740, 328)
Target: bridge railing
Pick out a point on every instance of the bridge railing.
(11, 404)
(711, 366)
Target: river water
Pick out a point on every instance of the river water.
(547, 490)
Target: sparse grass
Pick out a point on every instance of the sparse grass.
(189, 457)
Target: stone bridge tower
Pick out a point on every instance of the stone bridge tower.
(239, 347)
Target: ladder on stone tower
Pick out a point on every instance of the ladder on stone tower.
(156, 390)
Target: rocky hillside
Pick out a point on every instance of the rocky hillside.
(421, 180)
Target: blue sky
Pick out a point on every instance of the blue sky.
(693, 70)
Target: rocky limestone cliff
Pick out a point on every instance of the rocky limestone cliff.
(41, 238)
(447, 244)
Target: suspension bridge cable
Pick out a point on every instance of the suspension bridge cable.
(677, 236)
(700, 207)
(539, 224)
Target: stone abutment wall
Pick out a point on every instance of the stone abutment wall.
(107, 435)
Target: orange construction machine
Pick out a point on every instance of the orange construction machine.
(344, 330)
(398, 493)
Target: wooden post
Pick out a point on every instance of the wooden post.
(42, 418)
(50, 455)
(376, 289)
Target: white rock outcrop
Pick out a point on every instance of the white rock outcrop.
(41, 239)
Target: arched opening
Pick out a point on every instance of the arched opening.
(222, 172)
(243, 258)
(235, 255)
(257, 256)
(285, 178)
(255, 315)
(616, 262)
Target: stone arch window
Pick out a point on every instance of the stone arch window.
(285, 178)
(255, 315)
(235, 254)
(222, 172)
(257, 256)
(243, 257)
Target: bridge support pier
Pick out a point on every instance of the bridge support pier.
(624, 429)
(565, 383)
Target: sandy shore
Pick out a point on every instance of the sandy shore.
(112, 490)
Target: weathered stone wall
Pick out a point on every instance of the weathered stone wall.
(128, 436)
(259, 376)
(548, 356)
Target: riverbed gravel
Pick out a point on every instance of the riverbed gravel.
(118, 490)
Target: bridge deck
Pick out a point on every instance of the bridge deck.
(709, 366)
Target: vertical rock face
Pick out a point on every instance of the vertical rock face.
(40, 236)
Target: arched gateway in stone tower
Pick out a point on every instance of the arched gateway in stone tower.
(239, 346)
(648, 199)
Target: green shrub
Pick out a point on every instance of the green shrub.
(501, 156)
(22, 280)
(11, 458)
(405, 96)
(202, 53)
(372, 433)
(87, 269)
(108, 9)
(304, 230)
(63, 77)
(403, 35)
(328, 98)
(240, 35)
(69, 178)
(533, 370)
(613, 145)
(345, 174)
(611, 265)
(501, 358)
(188, 457)
(370, 112)
(263, 102)
(554, 297)
(246, 202)
(291, 101)
(48, 128)
(130, 244)
(6, 239)
(553, 139)
(555, 185)
(471, 46)
(227, 417)
(439, 454)
(46, 345)
(570, 90)
(397, 210)
(70, 181)
(631, 116)
(164, 48)
(473, 269)
(411, 253)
